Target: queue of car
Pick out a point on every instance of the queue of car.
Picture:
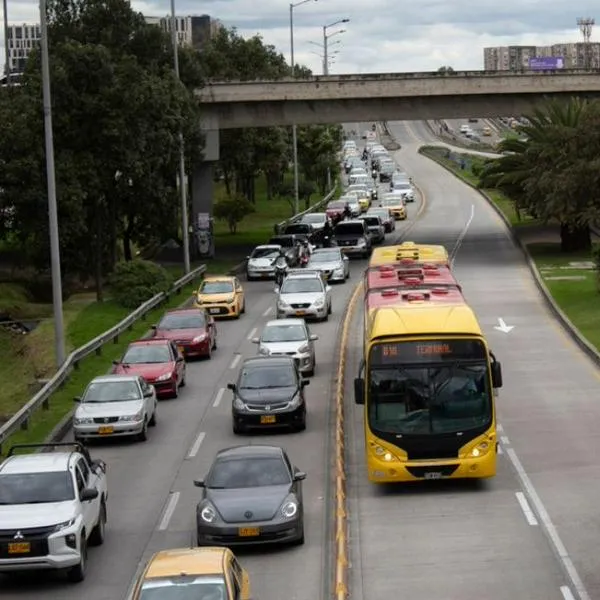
(53, 505)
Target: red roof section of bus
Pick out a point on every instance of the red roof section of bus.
(410, 275)
(401, 297)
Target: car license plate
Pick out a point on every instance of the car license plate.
(105, 430)
(300, 313)
(214, 311)
(248, 531)
(266, 419)
(181, 349)
(19, 548)
(433, 475)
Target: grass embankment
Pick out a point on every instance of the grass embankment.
(570, 278)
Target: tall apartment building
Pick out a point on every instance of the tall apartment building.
(194, 31)
(21, 40)
(513, 58)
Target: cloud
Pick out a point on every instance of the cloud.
(382, 35)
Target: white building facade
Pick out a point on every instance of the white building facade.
(22, 39)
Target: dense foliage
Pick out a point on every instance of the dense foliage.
(117, 113)
(552, 171)
(136, 281)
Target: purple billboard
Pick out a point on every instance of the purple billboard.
(546, 63)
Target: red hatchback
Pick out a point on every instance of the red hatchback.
(158, 361)
(193, 330)
(335, 210)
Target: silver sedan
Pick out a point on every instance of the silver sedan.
(331, 262)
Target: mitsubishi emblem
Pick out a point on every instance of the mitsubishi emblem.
(19, 536)
(267, 408)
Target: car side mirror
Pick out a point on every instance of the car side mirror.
(313, 337)
(496, 375)
(304, 382)
(88, 494)
(199, 483)
(255, 340)
(359, 390)
(148, 394)
(77, 399)
(231, 386)
(247, 258)
(299, 476)
(153, 327)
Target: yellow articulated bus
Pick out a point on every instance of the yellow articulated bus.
(427, 382)
(409, 251)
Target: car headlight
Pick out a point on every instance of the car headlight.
(238, 404)
(208, 514)
(264, 351)
(361, 243)
(199, 338)
(282, 303)
(83, 420)
(289, 509)
(384, 454)
(199, 301)
(164, 377)
(229, 300)
(319, 303)
(304, 348)
(64, 525)
(294, 402)
(136, 417)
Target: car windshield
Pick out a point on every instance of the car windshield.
(382, 214)
(265, 253)
(183, 321)
(216, 287)
(249, 472)
(391, 201)
(335, 205)
(146, 354)
(298, 228)
(267, 377)
(315, 218)
(284, 333)
(324, 257)
(402, 186)
(36, 488)
(301, 286)
(371, 221)
(184, 587)
(349, 229)
(286, 242)
(429, 399)
(112, 391)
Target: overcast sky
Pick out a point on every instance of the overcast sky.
(382, 35)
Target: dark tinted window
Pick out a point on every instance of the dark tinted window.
(184, 587)
(298, 228)
(267, 376)
(265, 253)
(349, 229)
(287, 242)
(194, 320)
(248, 473)
(372, 221)
(36, 488)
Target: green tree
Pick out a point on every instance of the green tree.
(554, 173)
(445, 70)
(232, 210)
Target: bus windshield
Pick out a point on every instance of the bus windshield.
(430, 394)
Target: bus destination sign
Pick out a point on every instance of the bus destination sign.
(427, 351)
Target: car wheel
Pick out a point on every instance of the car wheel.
(329, 309)
(244, 306)
(97, 537)
(175, 394)
(154, 418)
(77, 573)
(182, 383)
(214, 344)
(249, 277)
(143, 434)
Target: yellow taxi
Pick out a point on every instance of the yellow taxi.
(209, 573)
(363, 197)
(395, 204)
(221, 296)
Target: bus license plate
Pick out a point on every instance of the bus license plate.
(19, 548)
(433, 475)
(105, 430)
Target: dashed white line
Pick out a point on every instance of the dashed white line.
(549, 527)
(504, 440)
(169, 510)
(252, 333)
(196, 445)
(235, 361)
(566, 592)
(268, 311)
(499, 428)
(462, 235)
(500, 451)
(218, 397)
(526, 508)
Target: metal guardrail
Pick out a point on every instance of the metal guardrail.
(20, 420)
(313, 208)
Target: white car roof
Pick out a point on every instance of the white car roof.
(111, 378)
(43, 462)
(282, 322)
(268, 246)
(307, 274)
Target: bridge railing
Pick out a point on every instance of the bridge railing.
(314, 208)
(20, 420)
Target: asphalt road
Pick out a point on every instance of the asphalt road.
(532, 531)
(152, 500)
(477, 127)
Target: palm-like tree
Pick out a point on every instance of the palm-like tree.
(538, 170)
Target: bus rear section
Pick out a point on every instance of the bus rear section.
(427, 383)
(422, 275)
(426, 253)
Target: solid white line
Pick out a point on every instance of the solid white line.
(565, 590)
(504, 440)
(268, 311)
(252, 333)
(235, 361)
(526, 508)
(548, 525)
(500, 451)
(196, 446)
(169, 510)
(218, 397)
(462, 235)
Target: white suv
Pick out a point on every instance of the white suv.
(52, 506)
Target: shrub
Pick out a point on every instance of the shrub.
(596, 259)
(136, 281)
(232, 209)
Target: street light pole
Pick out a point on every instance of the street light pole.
(294, 127)
(326, 37)
(57, 299)
(6, 48)
(182, 185)
(325, 58)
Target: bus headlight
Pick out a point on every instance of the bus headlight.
(480, 449)
(384, 454)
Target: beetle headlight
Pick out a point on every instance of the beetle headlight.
(289, 509)
(208, 514)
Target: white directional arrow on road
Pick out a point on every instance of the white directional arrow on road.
(503, 327)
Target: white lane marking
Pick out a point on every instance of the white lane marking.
(235, 361)
(504, 440)
(500, 451)
(548, 525)
(462, 235)
(169, 510)
(218, 397)
(526, 508)
(499, 428)
(196, 445)
(268, 311)
(566, 592)
(252, 333)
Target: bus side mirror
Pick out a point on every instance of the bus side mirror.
(496, 375)
(359, 390)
